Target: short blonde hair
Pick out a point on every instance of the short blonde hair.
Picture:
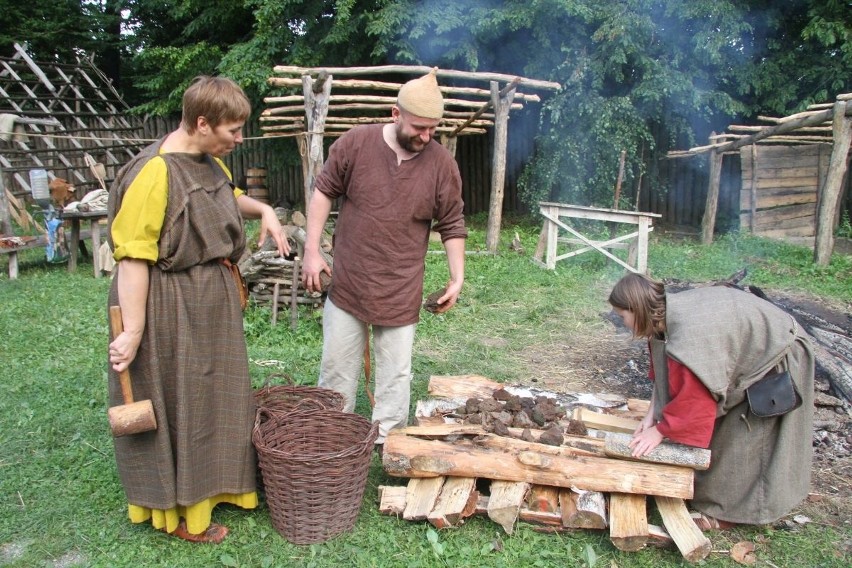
(217, 99)
(646, 298)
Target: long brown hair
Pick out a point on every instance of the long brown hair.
(646, 298)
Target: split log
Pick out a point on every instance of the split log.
(420, 497)
(392, 499)
(617, 445)
(543, 499)
(456, 502)
(462, 386)
(628, 521)
(638, 405)
(606, 422)
(505, 501)
(407, 456)
(582, 509)
(691, 542)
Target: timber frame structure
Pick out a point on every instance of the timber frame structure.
(368, 100)
(64, 118)
(827, 123)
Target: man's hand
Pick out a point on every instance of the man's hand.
(312, 266)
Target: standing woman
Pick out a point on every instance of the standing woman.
(175, 219)
(708, 345)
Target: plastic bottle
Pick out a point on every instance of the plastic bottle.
(38, 184)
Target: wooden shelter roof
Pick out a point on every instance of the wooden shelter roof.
(368, 93)
(813, 126)
(67, 117)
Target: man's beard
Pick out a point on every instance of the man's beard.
(411, 144)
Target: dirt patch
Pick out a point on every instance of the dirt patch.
(605, 359)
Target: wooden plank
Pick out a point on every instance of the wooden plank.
(691, 542)
(628, 521)
(766, 199)
(392, 499)
(617, 444)
(420, 497)
(462, 386)
(456, 502)
(407, 456)
(505, 501)
(607, 422)
(582, 509)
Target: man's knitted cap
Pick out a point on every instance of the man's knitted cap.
(422, 97)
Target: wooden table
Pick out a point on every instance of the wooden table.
(638, 239)
(93, 217)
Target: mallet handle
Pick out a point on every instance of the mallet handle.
(117, 326)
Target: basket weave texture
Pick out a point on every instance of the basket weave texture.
(287, 398)
(314, 465)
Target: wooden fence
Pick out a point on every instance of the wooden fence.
(673, 188)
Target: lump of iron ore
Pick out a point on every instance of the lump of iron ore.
(502, 394)
(576, 428)
(523, 420)
(527, 435)
(472, 405)
(513, 403)
(489, 405)
(552, 436)
(499, 428)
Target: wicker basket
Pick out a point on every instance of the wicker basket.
(287, 398)
(314, 465)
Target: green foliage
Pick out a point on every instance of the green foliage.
(62, 501)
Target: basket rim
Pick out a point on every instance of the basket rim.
(278, 417)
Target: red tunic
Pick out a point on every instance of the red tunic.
(690, 415)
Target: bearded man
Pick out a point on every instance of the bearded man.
(393, 184)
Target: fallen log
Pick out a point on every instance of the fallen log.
(408, 456)
(618, 445)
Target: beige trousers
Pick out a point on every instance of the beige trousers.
(344, 337)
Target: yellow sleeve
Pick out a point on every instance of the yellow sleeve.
(237, 191)
(137, 225)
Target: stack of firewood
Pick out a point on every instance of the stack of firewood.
(464, 463)
(275, 281)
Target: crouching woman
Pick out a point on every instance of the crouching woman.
(708, 347)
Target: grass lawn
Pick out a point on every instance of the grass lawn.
(61, 503)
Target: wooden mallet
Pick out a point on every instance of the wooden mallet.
(130, 417)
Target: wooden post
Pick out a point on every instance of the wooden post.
(831, 194)
(753, 190)
(709, 221)
(628, 521)
(502, 101)
(317, 96)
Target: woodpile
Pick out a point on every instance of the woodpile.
(557, 461)
(275, 281)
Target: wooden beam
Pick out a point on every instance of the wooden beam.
(406, 456)
(628, 521)
(456, 502)
(417, 70)
(505, 502)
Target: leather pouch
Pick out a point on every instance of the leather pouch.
(773, 395)
(239, 281)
